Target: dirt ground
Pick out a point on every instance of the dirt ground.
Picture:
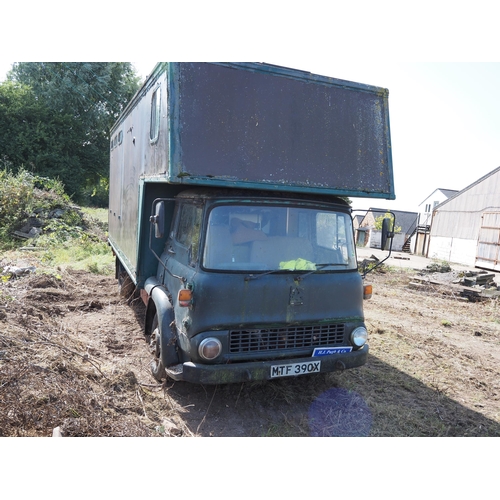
(73, 358)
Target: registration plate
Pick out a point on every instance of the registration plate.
(295, 369)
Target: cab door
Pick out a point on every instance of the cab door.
(182, 260)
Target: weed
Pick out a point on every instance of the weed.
(5, 298)
(100, 267)
(439, 266)
(50, 273)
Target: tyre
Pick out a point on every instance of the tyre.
(157, 368)
(127, 287)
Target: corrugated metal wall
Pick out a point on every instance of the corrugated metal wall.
(460, 217)
(488, 248)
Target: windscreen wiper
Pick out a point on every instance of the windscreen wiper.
(255, 276)
(302, 276)
(319, 267)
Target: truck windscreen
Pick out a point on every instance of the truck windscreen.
(274, 238)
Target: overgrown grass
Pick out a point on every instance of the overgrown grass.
(76, 238)
(80, 253)
(98, 214)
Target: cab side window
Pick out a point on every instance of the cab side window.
(188, 230)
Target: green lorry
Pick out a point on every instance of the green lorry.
(229, 216)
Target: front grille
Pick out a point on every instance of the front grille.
(272, 339)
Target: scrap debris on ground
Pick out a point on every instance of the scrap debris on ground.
(39, 219)
(472, 285)
(74, 362)
(469, 285)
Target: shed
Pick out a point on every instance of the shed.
(357, 220)
(366, 235)
(466, 228)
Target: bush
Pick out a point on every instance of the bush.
(16, 197)
(23, 195)
(69, 235)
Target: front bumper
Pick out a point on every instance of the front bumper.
(260, 370)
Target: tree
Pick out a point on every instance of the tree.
(24, 125)
(379, 220)
(68, 110)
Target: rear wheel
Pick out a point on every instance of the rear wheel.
(127, 287)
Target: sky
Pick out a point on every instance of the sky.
(441, 66)
(444, 119)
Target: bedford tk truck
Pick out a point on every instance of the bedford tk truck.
(229, 216)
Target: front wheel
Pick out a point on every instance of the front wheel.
(157, 368)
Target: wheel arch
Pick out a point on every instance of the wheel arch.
(160, 305)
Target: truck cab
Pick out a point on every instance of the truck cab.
(255, 286)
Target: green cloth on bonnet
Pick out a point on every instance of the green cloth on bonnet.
(298, 265)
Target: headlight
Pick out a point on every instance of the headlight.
(359, 336)
(210, 348)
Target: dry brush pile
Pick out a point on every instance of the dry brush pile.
(58, 359)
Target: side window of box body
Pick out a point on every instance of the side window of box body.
(154, 127)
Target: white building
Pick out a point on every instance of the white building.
(426, 208)
(466, 227)
(420, 240)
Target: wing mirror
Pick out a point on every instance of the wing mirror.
(387, 233)
(158, 219)
(386, 238)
